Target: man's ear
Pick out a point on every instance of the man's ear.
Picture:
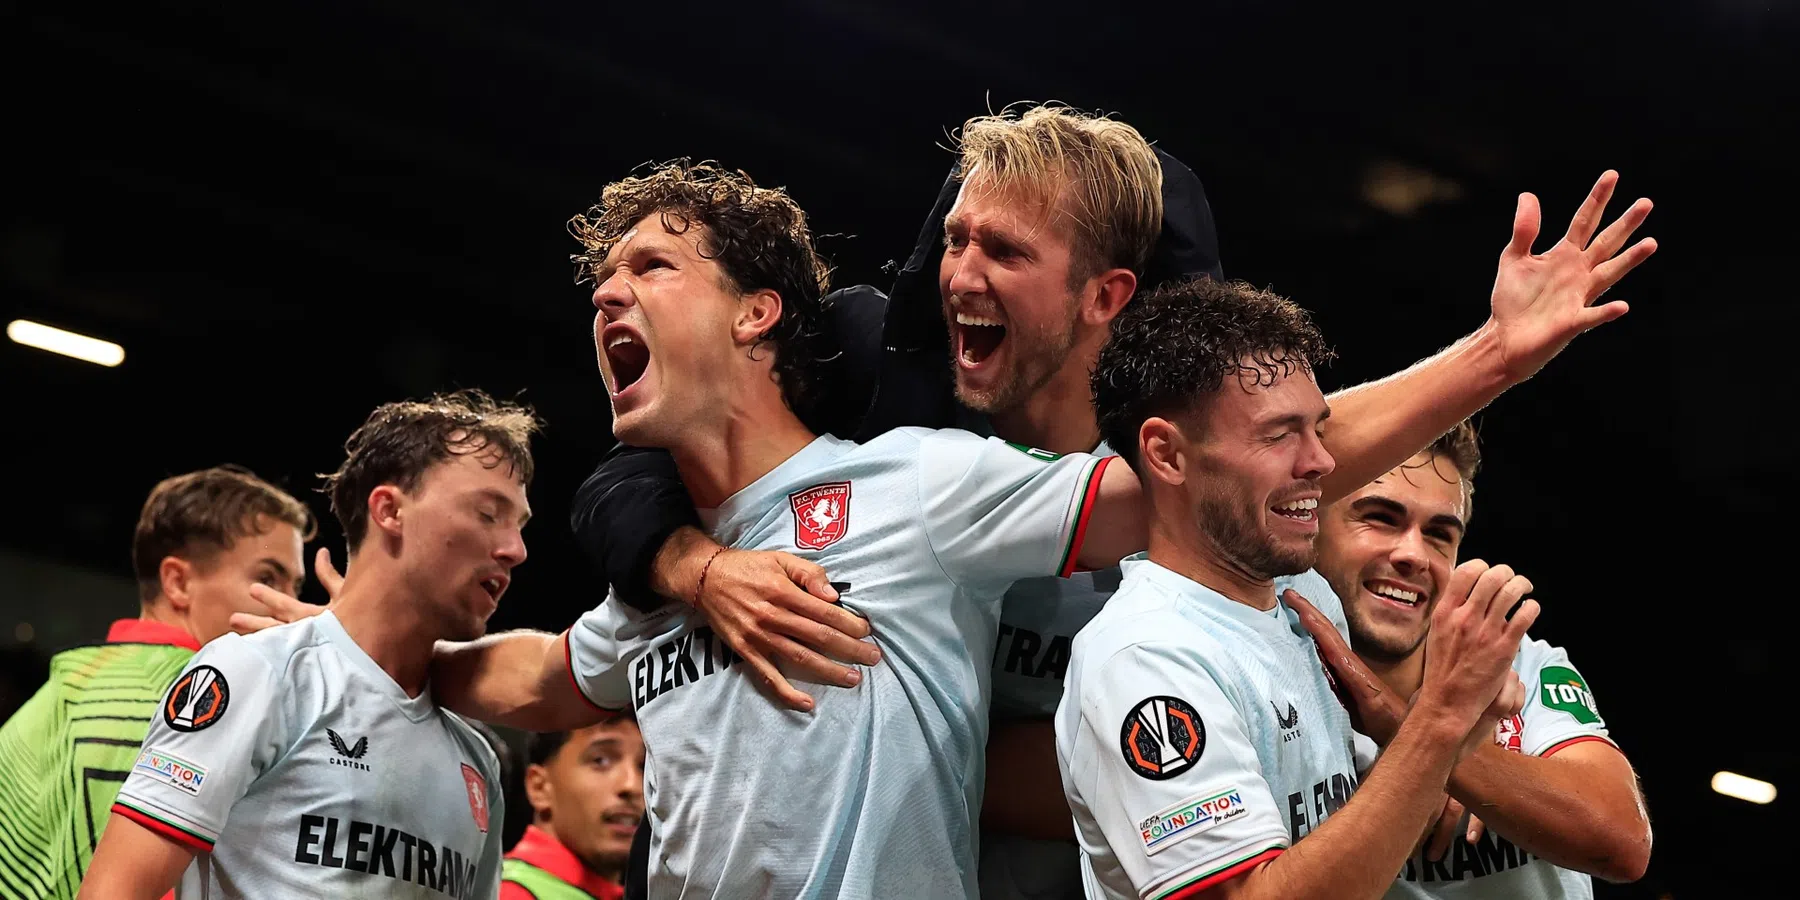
(758, 311)
(1108, 293)
(175, 576)
(1163, 451)
(386, 509)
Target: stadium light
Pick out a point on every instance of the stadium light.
(67, 343)
(1731, 784)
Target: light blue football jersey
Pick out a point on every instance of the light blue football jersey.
(1560, 711)
(300, 768)
(874, 793)
(1038, 624)
(1198, 735)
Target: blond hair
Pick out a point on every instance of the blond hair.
(1099, 173)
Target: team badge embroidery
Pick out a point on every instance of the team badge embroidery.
(1510, 733)
(197, 700)
(477, 787)
(821, 515)
(1162, 737)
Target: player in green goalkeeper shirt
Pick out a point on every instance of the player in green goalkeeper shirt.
(202, 539)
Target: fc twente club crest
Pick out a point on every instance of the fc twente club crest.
(821, 515)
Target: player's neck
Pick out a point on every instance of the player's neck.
(1059, 416)
(728, 453)
(1182, 548)
(380, 612)
(162, 612)
(1403, 675)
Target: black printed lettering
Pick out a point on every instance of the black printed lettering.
(686, 658)
(1000, 641)
(428, 865)
(359, 844)
(381, 852)
(448, 870)
(1296, 817)
(706, 654)
(1056, 659)
(406, 859)
(309, 835)
(328, 854)
(639, 686)
(1024, 650)
(667, 651)
(1465, 861)
(1492, 857)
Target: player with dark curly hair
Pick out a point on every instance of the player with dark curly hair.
(1201, 743)
(759, 239)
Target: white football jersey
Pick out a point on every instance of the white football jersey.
(874, 793)
(326, 779)
(1198, 736)
(1038, 624)
(1559, 713)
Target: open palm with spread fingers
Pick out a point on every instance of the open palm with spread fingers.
(1543, 300)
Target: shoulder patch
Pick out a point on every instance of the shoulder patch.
(1562, 688)
(1034, 452)
(1190, 817)
(1162, 737)
(197, 700)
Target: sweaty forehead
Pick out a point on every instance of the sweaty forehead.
(652, 231)
(1017, 210)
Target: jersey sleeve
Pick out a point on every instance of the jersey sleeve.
(219, 728)
(595, 649)
(1177, 788)
(997, 512)
(1561, 710)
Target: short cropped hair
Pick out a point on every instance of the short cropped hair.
(200, 514)
(1461, 448)
(761, 240)
(1098, 172)
(1173, 347)
(400, 441)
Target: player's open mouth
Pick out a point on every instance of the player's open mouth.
(626, 355)
(977, 337)
(495, 586)
(1303, 510)
(1394, 593)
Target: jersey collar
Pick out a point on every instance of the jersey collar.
(144, 631)
(537, 848)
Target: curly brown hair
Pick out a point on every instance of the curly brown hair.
(399, 442)
(200, 514)
(760, 238)
(1174, 346)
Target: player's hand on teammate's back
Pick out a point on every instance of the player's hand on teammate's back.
(282, 608)
(1471, 646)
(1542, 301)
(778, 612)
(1375, 710)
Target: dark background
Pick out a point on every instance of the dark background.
(289, 213)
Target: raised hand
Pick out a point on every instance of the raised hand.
(1543, 300)
(282, 608)
(1469, 652)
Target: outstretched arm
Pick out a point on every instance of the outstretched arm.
(517, 678)
(1540, 303)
